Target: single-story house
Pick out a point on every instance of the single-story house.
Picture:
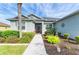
(32, 23)
(4, 26)
(69, 24)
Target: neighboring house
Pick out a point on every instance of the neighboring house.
(4, 26)
(69, 24)
(32, 23)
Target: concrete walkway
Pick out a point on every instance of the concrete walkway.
(36, 47)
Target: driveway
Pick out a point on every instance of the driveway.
(36, 47)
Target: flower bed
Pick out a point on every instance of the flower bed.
(51, 49)
(67, 47)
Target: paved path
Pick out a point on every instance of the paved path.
(36, 47)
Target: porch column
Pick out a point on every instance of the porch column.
(43, 28)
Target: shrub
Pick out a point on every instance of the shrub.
(2, 40)
(27, 37)
(53, 39)
(59, 33)
(12, 39)
(45, 33)
(66, 35)
(77, 39)
(0, 33)
(50, 30)
(8, 33)
(45, 37)
(30, 34)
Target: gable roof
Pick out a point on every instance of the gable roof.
(16, 18)
(37, 18)
(4, 25)
(34, 16)
(72, 14)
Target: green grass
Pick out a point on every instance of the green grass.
(12, 49)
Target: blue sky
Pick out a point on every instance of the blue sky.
(56, 10)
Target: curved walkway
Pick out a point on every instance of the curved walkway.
(36, 47)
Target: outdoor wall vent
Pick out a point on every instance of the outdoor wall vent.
(62, 25)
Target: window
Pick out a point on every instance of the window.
(49, 26)
(23, 25)
(18, 27)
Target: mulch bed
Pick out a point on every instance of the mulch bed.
(51, 49)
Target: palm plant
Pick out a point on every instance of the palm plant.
(19, 18)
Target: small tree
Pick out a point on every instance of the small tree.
(50, 30)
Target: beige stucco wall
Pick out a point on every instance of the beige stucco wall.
(4, 28)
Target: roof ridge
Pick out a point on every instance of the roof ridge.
(34, 15)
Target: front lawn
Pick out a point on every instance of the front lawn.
(12, 49)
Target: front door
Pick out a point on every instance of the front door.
(38, 27)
